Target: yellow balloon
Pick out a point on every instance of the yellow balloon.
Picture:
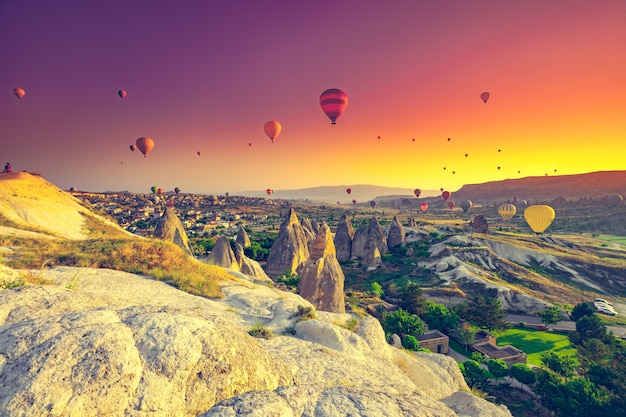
(506, 211)
(539, 217)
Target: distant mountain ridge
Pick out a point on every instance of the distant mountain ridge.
(546, 188)
(333, 193)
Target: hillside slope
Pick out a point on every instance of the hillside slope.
(30, 202)
(547, 188)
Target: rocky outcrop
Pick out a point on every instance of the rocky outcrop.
(366, 239)
(322, 279)
(478, 225)
(123, 345)
(343, 239)
(249, 266)
(171, 229)
(223, 255)
(290, 249)
(242, 238)
(396, 235)
(308, 229)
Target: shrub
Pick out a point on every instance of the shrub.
(410, 342)
(260, 331)
(304, 313)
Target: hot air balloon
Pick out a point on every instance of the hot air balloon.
(269, 191)
(199, 153)
(333, 103)
(170, 203)
(448, 139)
(354, 202)
(445, 195)
(466, 155)
(19, 92)
(154, 189)
(451, 204)
(372, 204)
(177, 190)
(484, 96)
(272, 129)
(413, 139)
(465, 205)
(441, 189)
(539, 217)
(249, 143)
(121, 93)
(145, 145)
(160, 191)
(379, 138)
(417, 192)
(349, 191)
(133, 147)
(507, 211)
(424, 206)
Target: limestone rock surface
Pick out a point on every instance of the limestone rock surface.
(125, 345)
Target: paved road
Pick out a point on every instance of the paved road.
(564, 326)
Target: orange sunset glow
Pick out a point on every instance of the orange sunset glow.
(206, 77)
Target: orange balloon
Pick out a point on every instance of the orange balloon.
(145, 145)
(272, 129)
(19, 92)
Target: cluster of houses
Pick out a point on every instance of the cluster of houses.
(199, 214)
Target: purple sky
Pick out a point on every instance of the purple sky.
(206, 75)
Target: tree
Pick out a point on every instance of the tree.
(484, 312)
(439, 317)
(376, 289)
(467, 336)
(588, 327)
(412, 299)
(581, 310)
(550, 315)
(498, 368)
(523, 373)
(474, 375)
(563, 365)
(402, 322)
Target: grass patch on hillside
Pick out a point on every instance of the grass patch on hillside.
(536, 342)
(163, 260)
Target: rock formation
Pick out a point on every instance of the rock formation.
(395, 235)
(290, 249)
(249, 266)
(222, 255)
(123, 345)
(478, 225)
(366, 239)
(343, 239)
(322, 279)
(171, 229)
(242, 238)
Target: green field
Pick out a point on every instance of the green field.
(536, 342)
(612, 238)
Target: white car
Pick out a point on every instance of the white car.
(602, 301)
(606, 310)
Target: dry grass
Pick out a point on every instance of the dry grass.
(163, 260)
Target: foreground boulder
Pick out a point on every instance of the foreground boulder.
(123, 345)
